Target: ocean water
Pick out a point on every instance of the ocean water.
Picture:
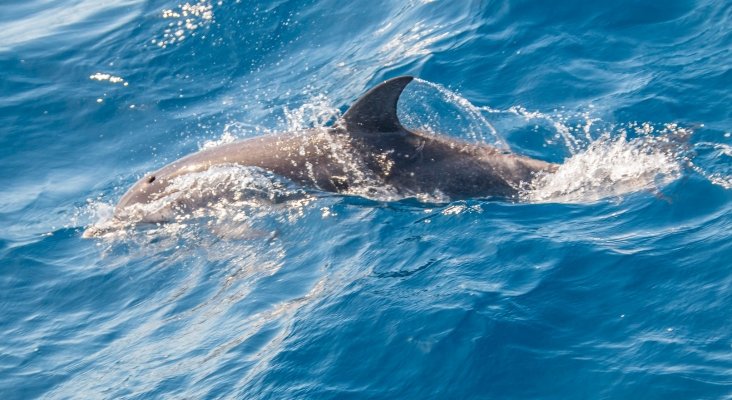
(611, 278)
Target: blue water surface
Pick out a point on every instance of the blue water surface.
(622, 297)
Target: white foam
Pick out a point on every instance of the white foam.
(608, 167)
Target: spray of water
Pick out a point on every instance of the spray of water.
(601, 160)
(609, 166)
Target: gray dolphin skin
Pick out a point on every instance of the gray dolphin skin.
(368, 140)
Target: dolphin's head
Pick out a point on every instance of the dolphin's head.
(148, 189)
(130, 208)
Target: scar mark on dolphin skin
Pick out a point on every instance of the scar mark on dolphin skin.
(418, 150)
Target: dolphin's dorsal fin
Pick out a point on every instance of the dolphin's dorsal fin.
(376, 111)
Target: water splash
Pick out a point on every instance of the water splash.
(185, 21)
(104, 77)
(574, 129)
(317, 112)
(601, 160)
(713, 161)
(610, 166)
(432, 107)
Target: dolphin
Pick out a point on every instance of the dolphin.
(367, 144)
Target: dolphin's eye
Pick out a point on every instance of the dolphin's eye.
(151, 179)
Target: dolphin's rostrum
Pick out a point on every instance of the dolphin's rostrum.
(367, 143)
